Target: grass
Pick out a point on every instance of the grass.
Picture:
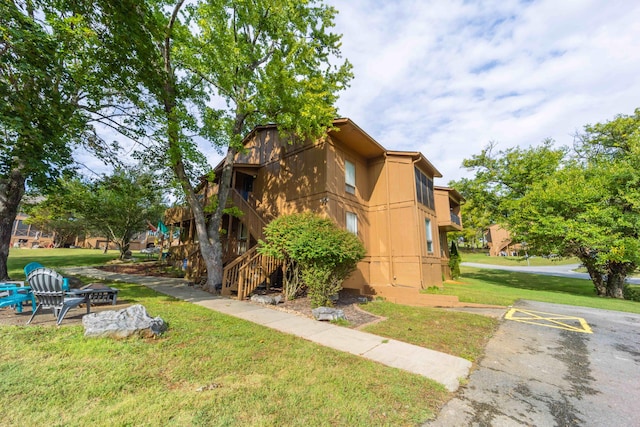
(481, 257)
(55, 258)
(486, 286)
(208, 369)
(460, 334)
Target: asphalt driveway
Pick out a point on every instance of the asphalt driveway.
(544, 368)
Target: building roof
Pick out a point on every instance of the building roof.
(451, 191)
(352, 136)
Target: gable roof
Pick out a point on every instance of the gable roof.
(356, 139)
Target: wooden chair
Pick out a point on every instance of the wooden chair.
(47, 286)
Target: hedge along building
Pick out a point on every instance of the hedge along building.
(385, 197)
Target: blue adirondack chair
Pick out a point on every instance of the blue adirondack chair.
(47, 286)
(13, 295)
(33, 265)
(30, 267)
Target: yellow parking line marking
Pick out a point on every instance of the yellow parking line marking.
(550, 320)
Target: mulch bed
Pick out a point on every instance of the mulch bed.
(348, 302)
(141, 268)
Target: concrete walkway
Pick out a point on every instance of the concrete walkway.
(441, 367)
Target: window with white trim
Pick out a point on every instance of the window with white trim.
(352, 223)
(429, 234)
(350, 177)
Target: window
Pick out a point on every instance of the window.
(427, 226)
(352, 223)
(350, 177)
(424, 189)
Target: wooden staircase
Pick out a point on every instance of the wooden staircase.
(251, 218)
(247, 272)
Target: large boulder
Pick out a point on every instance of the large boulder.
(123, 323)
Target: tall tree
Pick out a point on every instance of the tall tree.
(585, 205)
(591, 208)
(51, 87)
(502, 177)
(218, 68)
(120, 205)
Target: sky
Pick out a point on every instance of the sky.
(446, 77)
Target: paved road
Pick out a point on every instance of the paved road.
(550, 270)
(537, 375)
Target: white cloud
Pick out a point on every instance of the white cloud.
(446, 78)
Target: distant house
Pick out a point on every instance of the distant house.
(387, 198)
(25, 235)
(499, 242)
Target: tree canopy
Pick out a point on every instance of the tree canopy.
(115, 206)
(57, 77)
(216, 69)
(583, 202)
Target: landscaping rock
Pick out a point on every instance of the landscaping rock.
(123, 323)
(328, 313)
(263, 299)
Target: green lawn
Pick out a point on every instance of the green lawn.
(55, 258)
(486, 286)
(460, 334)
(208, 369)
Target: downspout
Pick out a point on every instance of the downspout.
(391, 266)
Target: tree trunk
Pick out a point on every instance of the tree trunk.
(615, 279)
(597, 276)
(11, 192)
(215, 268)
(124, 248)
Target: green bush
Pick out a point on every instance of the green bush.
(631, 293)
(325, 254)
(454, 261)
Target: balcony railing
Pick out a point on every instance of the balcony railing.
(455, 219)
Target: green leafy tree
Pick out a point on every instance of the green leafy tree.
(52, 88)
(591, 207)
(216, 69)
(477, 214)
(57, 213)
(586, 205)
(121, 205)
(325, 254)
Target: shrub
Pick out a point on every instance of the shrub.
(454, 261)
(325, 254)
(631, 293)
